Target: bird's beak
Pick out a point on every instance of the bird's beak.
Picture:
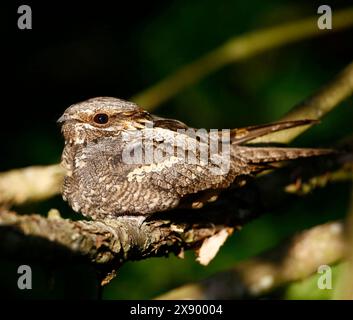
(63, 118)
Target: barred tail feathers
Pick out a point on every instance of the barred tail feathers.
(271, 154)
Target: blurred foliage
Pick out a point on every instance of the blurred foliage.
(74, 53)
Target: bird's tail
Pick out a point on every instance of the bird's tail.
(257, 155)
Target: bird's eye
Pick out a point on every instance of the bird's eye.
(101, 118)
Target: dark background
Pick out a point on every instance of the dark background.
(82, 50)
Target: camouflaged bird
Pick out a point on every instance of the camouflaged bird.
(102, 133)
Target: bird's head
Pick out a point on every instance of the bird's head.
(101, 117)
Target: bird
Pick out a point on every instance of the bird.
(121, 160)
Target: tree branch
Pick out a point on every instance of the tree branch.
(30, 184)
(314, 107)
(106, 244)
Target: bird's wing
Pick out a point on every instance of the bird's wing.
(238, 136)
(166, 123)
(246, 134)
(194, 170)
(173, 170)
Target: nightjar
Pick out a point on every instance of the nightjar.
(122, 160)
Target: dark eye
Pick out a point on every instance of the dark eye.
(101, 118)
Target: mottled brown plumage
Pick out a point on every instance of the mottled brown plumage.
(100, 132)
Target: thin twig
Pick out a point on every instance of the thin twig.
(315, 107)
(304, 187)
